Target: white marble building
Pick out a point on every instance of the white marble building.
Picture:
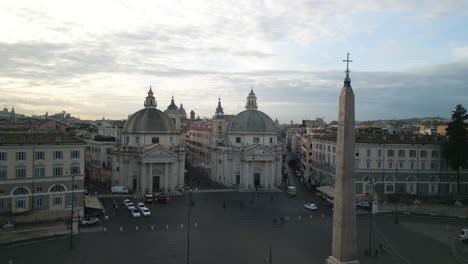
(150, 158)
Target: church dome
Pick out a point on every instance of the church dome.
(252, 121)
(149, 120)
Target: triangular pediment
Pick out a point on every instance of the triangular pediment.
(258, 150)
(158, 151)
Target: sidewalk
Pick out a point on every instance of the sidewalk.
(31, 231)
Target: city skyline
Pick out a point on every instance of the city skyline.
(86, 58)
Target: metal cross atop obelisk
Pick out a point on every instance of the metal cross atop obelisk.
(347, 63)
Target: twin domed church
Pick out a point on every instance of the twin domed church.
(240, 150)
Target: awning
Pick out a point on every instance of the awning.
(93, 202)
(327, 190)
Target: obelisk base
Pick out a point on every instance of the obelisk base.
(332, 260)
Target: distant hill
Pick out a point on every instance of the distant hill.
(411, 121)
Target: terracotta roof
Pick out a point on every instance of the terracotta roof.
(37, 138)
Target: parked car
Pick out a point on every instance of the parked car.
(89, 221)
(119, 189)
(140, 205)
(162, 199)
(126, 201)
(130, 206)
(310, 206)
(135, 213)
(145, 211)
(363, 204)
(149, 198)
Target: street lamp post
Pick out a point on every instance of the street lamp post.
(396, 197)
(72, 210)
(190, 203)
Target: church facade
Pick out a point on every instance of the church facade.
(150, 157)
(243, 150)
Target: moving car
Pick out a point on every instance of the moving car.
(291, 191)
(310, 206)
(130, 206)
(89, 221)
(140, 205)
(119, 189)
(464, 235)
(145, 211)
(135, 213)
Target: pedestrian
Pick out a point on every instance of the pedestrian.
(224, 205)
(323, 215)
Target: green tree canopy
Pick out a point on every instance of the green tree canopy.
(457, 144)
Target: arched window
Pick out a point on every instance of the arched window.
(452, 185)
(433, 184)
(368, 184)
(20, 191)
(411, 185)
(57, 188)
(389, 182)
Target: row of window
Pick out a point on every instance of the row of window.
(390, 152)
(154, 140)
(255, 140)
(402, 153)
(20, 202)
(401, 165)
(41, 155)
(21, 172)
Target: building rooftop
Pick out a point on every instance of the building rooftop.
(37, 138)
(388, 139)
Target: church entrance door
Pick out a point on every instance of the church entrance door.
(237, 179)
(134, 184)
(257, 179)
(156, 184)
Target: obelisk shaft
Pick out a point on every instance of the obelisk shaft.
(344, 248)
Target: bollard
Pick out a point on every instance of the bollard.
(105, 229)
(152, 227)
(299, 218)
(167, 226)
(106, 217)
(196, 224)
(121, 228)
(181, 225)
(310, 216)
(136, 228)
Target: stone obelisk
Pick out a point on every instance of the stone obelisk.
(344, 248)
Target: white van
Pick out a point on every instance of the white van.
(119, 189)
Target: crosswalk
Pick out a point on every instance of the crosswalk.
(210, 190)
(115, 195)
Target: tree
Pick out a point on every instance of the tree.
(457, 145)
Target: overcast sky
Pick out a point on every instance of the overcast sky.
(98, 58)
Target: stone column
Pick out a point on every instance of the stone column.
(143, 179)
(273, 174)
(166, 176)
(149, 176)
(344, 248)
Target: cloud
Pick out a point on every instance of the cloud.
(460, 53)
(99, 61)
